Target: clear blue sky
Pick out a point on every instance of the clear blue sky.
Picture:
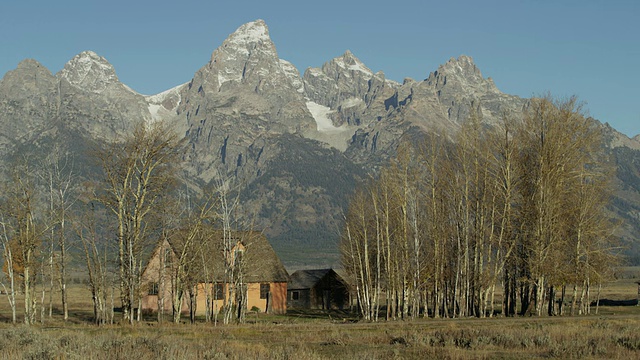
(586, 48)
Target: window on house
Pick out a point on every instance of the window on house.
(264, 291)
(218, 291)
(167, 258)
(295, 295)
(153, 288)
(237, 256)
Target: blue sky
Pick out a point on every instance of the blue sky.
(586, 48)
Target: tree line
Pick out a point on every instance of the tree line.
(139, 196)
(505, 219)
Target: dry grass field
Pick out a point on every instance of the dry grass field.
(613, 333)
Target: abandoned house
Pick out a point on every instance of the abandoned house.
(212, 269)
(317, 289)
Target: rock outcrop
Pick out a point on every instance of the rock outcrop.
(91, 98)
(243, 97)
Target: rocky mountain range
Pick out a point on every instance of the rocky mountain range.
(298, 144)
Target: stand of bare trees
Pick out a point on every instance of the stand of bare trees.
(98, 261)
(203, 254)
(518, 206)
(188, 264)
(139, 175)
(23, 230)
(114, 221)
(35, 203)
(233, 250)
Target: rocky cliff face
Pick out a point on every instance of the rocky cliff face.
(27, 103)
(460, 89)
(297, 144)
(344, 83)
(92, 99)
(241, 99)
(376, 112)
(85, 97)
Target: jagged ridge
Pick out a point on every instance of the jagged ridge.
(249, 115)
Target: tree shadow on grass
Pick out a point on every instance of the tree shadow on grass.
(333, 315)
(609, 302)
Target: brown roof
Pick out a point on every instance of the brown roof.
(260, 262)
(307, 279)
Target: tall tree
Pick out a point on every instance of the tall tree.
(58, 175)
(8, 268)
(502, 167)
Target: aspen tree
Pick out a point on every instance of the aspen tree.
(8, 268)
(58, 174)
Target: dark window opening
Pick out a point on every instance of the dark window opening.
(153, 289)
(295, 295)
(218, 291)
(264, 291)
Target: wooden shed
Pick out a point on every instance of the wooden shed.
(317, 289)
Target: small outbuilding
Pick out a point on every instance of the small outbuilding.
(317, 289)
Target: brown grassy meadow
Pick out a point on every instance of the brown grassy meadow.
(613, 333)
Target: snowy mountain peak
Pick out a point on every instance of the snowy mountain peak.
(463, 66)
(349, 61)
(461, 73)
(248, 40)
(250, 33)
(246, 53)
(89, 71)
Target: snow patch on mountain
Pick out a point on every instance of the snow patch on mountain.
(351, 102)
(228, 75)
(359, 67)
(321, 116)
(293, 75)
(163, 105)
(392, 83)
(315, 72)
(130, 89)
(160, 97)
(154, 110)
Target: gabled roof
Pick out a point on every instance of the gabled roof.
(260, 262)
(307, 279)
